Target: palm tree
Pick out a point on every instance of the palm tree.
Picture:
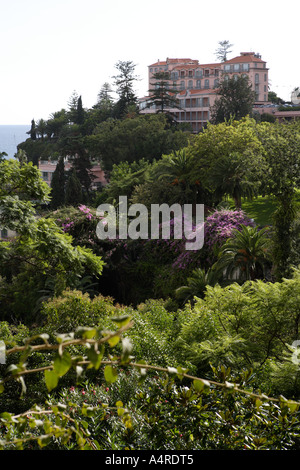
(177, 169)
(231, 177)
(196, 284)
(245, 255)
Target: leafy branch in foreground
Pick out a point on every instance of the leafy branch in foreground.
(70, 424)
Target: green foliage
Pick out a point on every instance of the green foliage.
(73, 189)
(228, 159)
(142, 137)
(163, 93)
(40, 250)
(166, 409)
(73, 308)
(246, 255)
(58, 185)
(96, 375)
(196, 284)
(241, 325)
(282, 145)
(235, 99)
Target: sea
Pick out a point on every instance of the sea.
(11, 136)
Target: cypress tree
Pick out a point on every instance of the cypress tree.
(73, 189)
(58, 185)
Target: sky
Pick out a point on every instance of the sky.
(52, 48)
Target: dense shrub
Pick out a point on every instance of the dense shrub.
(241, 326)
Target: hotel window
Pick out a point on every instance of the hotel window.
(246, 67)
(227, 68)
(236, 67)
(256, 78)
(45, 175)
(206, 83)
(198, 84)
(216, 83)
(199, 73)
(206, 73)
(190, 84)
(182, 85)
(190, 73)
(265, 77)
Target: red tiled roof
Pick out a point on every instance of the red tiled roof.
(203, 91)
(173, 61)
(248, 57)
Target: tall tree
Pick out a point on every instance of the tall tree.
(163, 93)
(235, 99)
(58, 185)
(104, 96)
(124, 83)
(33, 130)
(223, 50)
(72, 106)
(282, 147)
(79, 119)
(105, 102)
(73, 189)
(228, 159)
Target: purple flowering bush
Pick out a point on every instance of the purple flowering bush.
(79, 222)
(137, 269)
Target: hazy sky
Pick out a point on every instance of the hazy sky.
(50, 48)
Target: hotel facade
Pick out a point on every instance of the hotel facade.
(197, 85)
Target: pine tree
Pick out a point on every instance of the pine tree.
(80, 112)
(223, 50)
(163, 93)
(124, 83)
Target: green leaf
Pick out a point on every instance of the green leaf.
(258, 403)
(200, 384)
(121, 321)
(43, 441)
(51, 379)
(95, 357)
(113, 341)
(62, 364)
(110, 374)
(86, 332)
(292, 405)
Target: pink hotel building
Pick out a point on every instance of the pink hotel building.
(197, 84)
